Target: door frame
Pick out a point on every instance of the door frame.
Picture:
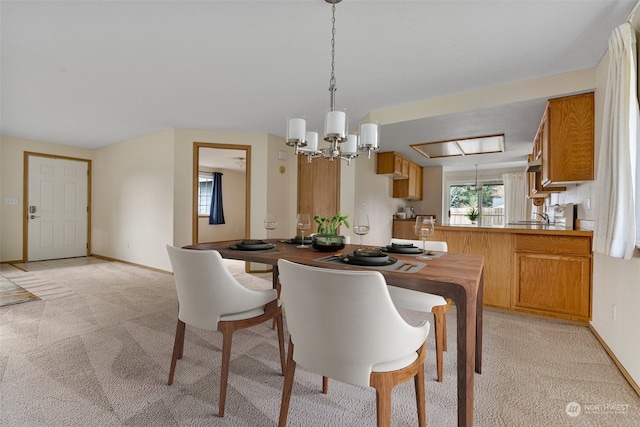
(25, 198)
(247, 192)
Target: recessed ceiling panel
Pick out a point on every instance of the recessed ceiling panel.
(482, 145)
(461, 147)
(433, 150)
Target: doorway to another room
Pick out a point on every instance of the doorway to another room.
(233, 162)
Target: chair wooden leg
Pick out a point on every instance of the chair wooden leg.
(383, 404)
(178, 349)
(278, 289)
(420, 398)
(384, 382)
(227, 335)
(287, 387)
(440, 320)
(325, 385)
(283, 357)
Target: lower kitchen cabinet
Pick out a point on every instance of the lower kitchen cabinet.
(553, 276)
(544, 272)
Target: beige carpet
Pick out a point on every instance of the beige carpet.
(96, 352)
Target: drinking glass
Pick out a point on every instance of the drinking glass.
(361, 226)
(424, 228)
(303, 223)
(270, 222)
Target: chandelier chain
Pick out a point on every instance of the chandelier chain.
(332, 81)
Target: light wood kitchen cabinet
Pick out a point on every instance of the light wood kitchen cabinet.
(536, 190)
(497, 250)
(391, 163)
(410, 188)
(538, 271)
(568, 140)
(553, 275)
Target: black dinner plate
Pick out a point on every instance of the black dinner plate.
(402, 249)
(369, 261)
(252, 245)
(368, 258)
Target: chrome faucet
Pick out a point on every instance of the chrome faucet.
(545, 217)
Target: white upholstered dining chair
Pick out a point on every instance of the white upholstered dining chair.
(210, 298)
(428, 303)
(343, 325)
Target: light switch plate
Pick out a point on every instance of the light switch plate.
(10, 201)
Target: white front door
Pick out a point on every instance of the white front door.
(57, 210)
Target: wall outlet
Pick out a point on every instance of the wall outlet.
(614, 312)
(589, 203)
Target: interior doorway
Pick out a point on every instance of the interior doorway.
(56, 221)
(234, 162)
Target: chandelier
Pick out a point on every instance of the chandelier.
(475, 187)
(342, 144)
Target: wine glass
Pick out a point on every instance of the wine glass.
(303, 223)
(424, 228)
(270, 222)
(361, 226)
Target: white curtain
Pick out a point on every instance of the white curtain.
(515, 197)
(616, 232)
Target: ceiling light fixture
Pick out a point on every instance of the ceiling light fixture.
(335, 124)
(475, 187)
(461, 147)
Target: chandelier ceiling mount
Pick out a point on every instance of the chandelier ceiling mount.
(342, 144)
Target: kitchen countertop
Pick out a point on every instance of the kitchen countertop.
(520, 228)
(515, 228)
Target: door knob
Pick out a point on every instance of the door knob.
(34, 216)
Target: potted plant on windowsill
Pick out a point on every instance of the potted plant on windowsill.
(327, 239)
(473, 215)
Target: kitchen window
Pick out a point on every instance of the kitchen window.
(464, 196)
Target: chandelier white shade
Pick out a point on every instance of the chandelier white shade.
(342, 144)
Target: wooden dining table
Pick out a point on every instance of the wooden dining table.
(456, 276)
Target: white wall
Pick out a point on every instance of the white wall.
(282, 187)
(12, 184)
(372, 190)
(133, 200)
(615, 281)
(433, 201)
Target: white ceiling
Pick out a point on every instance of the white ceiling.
(94, 73)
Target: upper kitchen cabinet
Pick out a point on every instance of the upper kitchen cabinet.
(567, 140)
(391, 163)
(410, 188)
(407, 176)
(536, 191)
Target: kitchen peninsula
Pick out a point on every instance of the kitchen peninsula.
(542, 270)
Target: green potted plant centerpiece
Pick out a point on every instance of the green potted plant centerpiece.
(327, 239)
(473, 215)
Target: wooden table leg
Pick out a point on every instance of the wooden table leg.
(479, 310)
(466, 321)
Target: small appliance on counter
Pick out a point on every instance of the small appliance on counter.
(409, 212)
(563, 215)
